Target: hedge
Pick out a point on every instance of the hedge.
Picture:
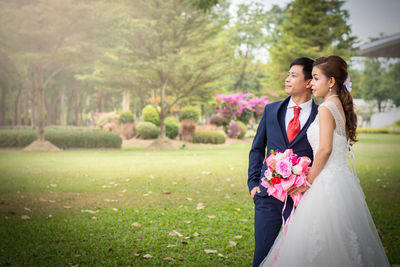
(147, 130)
(189, 112)
(62, 137)
(171, 127)
(388, 130)
(150, 114)
(208, 137)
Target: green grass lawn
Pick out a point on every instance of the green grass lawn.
(82, 205)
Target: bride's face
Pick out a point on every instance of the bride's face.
(319, 83)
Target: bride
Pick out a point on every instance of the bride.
(332, 225)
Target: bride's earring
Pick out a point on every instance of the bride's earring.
(330, 89)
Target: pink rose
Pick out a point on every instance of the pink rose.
(284, 167)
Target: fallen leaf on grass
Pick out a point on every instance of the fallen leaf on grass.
(25, 217)
(166, 192)
(89, 211)
(50, 216)
(211, 216)
(217, 189)
(67, 207)
(106, 186)
(169, 259)
(188, 221)
(189, 199)
(205, 172)
(145, 195)
(238, 237)
(124, 191)
(244, 220)
(175, 233)
(200, 206)
(28, 209)
(43, 200)
(195, 234)
(94, 218)
(147, 256)
(170, 245)
(232, 243)
(210, 251)
(222, 256)
(77, 255)
(136, 224)
(53, 185)
(115, 209)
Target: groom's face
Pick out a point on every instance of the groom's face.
(295, 84)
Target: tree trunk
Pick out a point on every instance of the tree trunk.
(47, 107)
(100, 99)
(26, 116)
(62, 106)
(17, 108)
(32, 99)
(70, 103)
(41, 105)
(163, 112)
(3, 106)
(125, 101)
(78, 108)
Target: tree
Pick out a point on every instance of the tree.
(174, 45)
(312, 29)
(380, 84)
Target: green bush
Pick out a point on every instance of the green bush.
(208, 137)
(126, 117)
(237, 130)
(171, 127)
(372, 130)
(189, 112)
(62, 137)
(147, 130)
(150, 114)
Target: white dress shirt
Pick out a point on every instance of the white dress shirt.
(304, 112)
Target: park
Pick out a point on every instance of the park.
(125, 128)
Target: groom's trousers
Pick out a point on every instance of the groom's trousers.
(267, 223)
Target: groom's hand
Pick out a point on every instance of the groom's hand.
(255, 190)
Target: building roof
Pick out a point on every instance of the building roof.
(386, 47)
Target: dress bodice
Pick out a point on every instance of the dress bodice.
(339, 142)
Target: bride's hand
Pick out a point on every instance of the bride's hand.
(297, 190)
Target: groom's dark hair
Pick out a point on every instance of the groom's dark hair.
(307, 64)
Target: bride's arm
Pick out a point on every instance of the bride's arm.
(326, 128)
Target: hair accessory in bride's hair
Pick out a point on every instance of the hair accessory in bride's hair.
(347, 84)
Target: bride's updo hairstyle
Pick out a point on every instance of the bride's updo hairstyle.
(336, 67)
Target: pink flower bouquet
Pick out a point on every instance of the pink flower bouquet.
(285, 169)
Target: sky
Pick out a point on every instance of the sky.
(368, 18)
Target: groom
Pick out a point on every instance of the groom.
(283, 125)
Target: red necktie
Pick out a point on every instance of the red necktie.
(294, 124)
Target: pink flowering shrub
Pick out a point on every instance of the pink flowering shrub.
(240, 106)
(237, 130)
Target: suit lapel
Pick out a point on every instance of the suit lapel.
(303, 131)
(281, 113)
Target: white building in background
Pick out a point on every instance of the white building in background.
(369, 116)
(388, 47)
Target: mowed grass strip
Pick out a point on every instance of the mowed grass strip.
(141, 208)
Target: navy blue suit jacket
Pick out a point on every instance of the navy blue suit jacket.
(271, 134)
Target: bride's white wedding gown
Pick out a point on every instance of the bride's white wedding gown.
(332, 225)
